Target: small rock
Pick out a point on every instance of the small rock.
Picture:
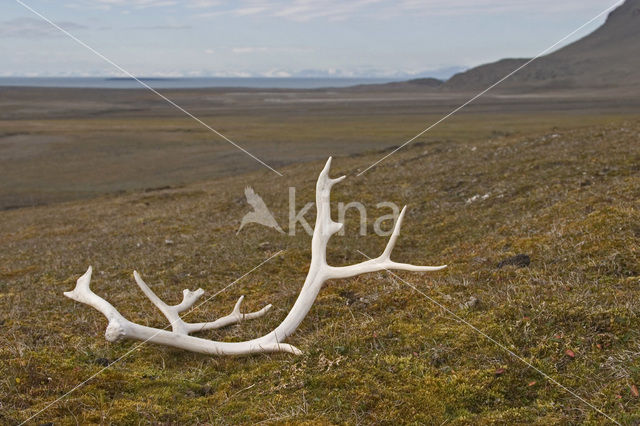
(478, 197)
(168, 242)
(519, 261)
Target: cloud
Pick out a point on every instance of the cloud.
(161, 27)
(241, 50)
(303, 10)
(294, 10)
(140, 4)
(485, 7)
(334, 10)
(34, 28)
(254, 10)
(264, 49)
(202, 4)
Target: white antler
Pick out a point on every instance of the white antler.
(319, 272)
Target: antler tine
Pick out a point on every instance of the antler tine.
(179, 325)
(386, 254)
(234, 317)
(82, 293)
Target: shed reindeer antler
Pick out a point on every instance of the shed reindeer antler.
(319, 272)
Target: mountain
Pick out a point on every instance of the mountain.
(608, 57)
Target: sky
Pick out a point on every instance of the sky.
(281, 38)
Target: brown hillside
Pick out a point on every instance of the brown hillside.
(608, 57)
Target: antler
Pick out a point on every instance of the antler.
(319, 273)
(121, 328)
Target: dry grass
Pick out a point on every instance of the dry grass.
(375, 351)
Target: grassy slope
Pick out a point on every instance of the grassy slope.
(375, 351)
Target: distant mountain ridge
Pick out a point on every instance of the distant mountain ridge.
(608, 57)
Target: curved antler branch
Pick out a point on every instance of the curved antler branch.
(82, 293)
(172, 313)
(382, 262)
(319, 272)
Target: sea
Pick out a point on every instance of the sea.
(189, 83)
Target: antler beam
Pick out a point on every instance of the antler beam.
(319, 272)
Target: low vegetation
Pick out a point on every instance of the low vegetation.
(375, 349)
